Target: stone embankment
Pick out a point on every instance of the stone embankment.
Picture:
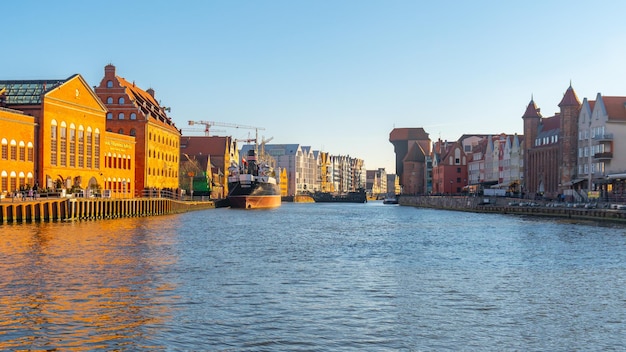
(514, 206)
(73, 209)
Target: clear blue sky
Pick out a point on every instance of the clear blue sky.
(335, 75)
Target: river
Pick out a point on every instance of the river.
(314, 277)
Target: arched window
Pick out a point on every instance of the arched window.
(120, 100)
(13, 154)
(120, 131)
(109, 116)
(5, 149)
(109, 84)
(110, 100)
(133, 116)
(133, 132)
(120, 116)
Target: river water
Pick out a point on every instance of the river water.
(314, 277)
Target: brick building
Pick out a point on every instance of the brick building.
(550, 148)
(413, 164)
(135, 112)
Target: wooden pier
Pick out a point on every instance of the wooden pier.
(73, 209)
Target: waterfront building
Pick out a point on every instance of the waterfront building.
(326, 184)
(118, 172)
(393, 184)
(449, 173)
(214, 155)
(601, 135)
(549, 168)
(476, 166)
(136, 112)
(412, 147)
(376, 181)
(69, 132)
(17, 156)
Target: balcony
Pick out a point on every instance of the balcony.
(603, 156)
(607, 137)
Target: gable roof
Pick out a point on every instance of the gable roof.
(615, 108)
(146, 103)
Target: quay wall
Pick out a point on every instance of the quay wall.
(73, 209)
(500, 206)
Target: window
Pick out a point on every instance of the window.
(109, 116)
(13, 150)
(109, 84)
(5, 149)
(31, 152)
(120, 100)
(133, 132)
(120, 131)
(133, 116)
(22, 151)
(109, 100)
(120, 116)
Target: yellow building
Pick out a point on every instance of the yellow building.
(69, 134)
(17, 159)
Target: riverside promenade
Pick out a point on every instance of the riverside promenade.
(500, 205)
(74, 209)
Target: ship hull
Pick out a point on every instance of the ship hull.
(255, 202)
(256, 195)
(350, 197)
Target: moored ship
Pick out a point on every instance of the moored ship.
(252, 185)
(358, 196)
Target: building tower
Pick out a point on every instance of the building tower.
(570, 109)
(532, 119)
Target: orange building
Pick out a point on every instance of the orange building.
(135, 112)
(69, 126)
(17, 165)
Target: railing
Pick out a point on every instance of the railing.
(603, 137)
(603, 156)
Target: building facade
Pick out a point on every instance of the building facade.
(136, 112)
(17, 156)
(73, 153)
(548, 167)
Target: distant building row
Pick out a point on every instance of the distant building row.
(577, 154)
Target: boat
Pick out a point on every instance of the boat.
(358, 196)
(390, 200)
(252, 185)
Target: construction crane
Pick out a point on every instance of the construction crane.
(208, 124)
(206, 132)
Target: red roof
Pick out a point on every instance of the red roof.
(615, 107)
(408, 134)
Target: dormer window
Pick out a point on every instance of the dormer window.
(109, 84)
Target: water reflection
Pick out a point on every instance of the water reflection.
(84, 285)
